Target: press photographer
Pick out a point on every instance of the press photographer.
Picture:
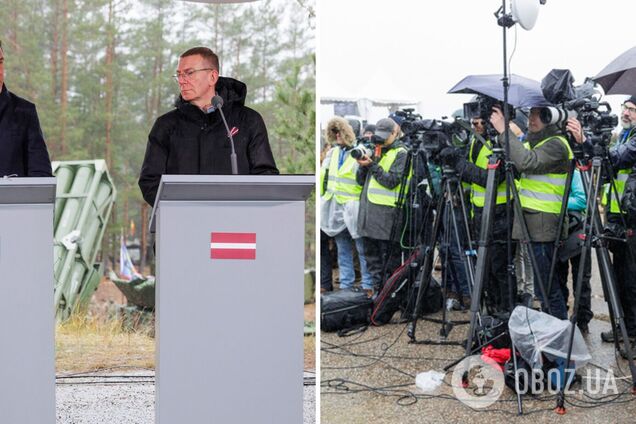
(622, 156)
(473, 170)
(381, 178)
(543, 164)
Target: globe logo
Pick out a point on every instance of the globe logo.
(476, 383)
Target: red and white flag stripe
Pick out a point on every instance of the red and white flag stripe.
(233, 246)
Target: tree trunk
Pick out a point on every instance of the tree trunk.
(144, 236)
(64, 79)
(54, 47)
(110, 54)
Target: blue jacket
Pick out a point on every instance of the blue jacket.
(577, 199)
(22, 149)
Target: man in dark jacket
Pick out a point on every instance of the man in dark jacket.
(623, 158)
(192, 138)
(22, 149)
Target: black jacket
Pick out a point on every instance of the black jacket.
(188, 141)
(22, 148)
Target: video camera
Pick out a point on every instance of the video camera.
(482, 106)
(432, 135)
(580, 102)
(596, 117)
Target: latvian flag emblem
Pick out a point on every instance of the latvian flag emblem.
(233, 246)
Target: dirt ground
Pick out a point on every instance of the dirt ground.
(310, 341)
(370, 377)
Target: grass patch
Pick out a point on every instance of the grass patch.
(310, 352)
(85, 343)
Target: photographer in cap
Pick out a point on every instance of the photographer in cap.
(340, 200)
(381, 178)
(543, 163)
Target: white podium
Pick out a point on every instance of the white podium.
(27, 315)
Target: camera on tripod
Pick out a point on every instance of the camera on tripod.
(580, 102)
(432, 135)
(595, 117)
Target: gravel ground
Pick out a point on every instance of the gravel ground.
(370, 378)
(99, 399)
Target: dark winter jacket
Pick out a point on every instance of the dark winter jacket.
(623, 153)
(22, 149)
(188, 141)
(623, 156)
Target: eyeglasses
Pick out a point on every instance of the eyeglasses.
(629, 108)
(187, 75)
(480, 122)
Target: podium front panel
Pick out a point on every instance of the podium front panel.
(230, 312)
(27, 328)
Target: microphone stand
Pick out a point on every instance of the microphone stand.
(217, 102)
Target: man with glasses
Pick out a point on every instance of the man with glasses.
(192, 139)
(22, 149)
(623, 158)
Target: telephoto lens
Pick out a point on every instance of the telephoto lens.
(361, 150)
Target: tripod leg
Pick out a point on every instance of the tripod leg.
(427, 268)
(557, 242)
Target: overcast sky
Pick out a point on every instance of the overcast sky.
(417, 50)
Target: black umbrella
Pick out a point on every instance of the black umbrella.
(619, 77)
(523, 92)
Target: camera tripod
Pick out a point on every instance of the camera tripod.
(446, 210)
(593, 236)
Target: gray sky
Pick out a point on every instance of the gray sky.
(417, 50)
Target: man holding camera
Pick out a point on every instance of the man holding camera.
(543, 165)
(382, 177)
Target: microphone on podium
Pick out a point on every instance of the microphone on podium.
(217, 103)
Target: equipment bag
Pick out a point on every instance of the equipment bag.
(344, 309)
(393, 295)
(432, 302)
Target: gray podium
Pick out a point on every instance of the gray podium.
(27, 325)
(229, 318)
